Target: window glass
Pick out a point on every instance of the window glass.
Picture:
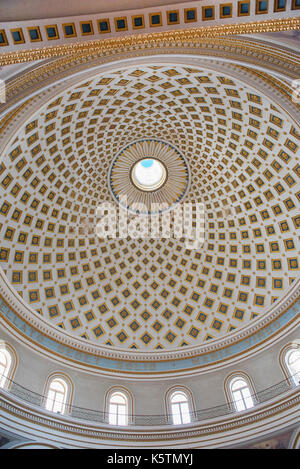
(241, 394)
(180, 408)
(118, 409)
(5, 363)
(57, 396)
(293, 363)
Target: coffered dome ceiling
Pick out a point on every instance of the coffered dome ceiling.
(242, 151)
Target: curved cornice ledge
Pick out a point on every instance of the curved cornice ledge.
(29, 421)
(269, 25)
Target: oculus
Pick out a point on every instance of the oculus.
(148, 174)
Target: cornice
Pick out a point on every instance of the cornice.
(236, 50)
(279, 413)
(189, 35)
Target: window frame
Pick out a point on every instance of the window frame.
(6, 381)
(125, 393)
(241, 392)
(67, 382)
(231, 401)
(120, 412)
(287, 350)
(189, 400)
(181, 414)
(5, 364)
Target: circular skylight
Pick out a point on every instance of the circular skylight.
(148, 174)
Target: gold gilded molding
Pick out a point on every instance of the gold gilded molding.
(190, 35)
(248, 48)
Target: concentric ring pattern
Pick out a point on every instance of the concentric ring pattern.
(243, 153)
(137, 200)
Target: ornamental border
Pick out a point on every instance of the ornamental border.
(255, 27)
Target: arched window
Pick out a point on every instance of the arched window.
(241, 394)
(292, 359)
(5, 365)
(180, 410)
(118, 409)
(57, 396)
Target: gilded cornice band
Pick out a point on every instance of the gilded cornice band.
(148, 40)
